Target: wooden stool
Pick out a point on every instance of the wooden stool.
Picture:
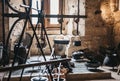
(118, 71)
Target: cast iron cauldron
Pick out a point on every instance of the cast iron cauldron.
(110, 60)
(92, 64)
(78, 55)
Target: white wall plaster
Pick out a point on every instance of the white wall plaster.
(19, 26)
(73, 10)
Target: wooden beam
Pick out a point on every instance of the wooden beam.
(35, 64)
(23, 15)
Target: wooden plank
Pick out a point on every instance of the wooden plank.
(23, 15)
(31, 65)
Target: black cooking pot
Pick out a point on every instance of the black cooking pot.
(77, 43)
(78, 55)
(111, 60)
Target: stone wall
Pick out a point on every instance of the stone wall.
(101, 25)
(111, 18)
(96, 29)
(117, 28)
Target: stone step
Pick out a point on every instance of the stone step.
(70, 76)
(105, 80)
(97, 80)
(101, 80)
(88, 76)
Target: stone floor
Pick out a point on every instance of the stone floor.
(80, 72)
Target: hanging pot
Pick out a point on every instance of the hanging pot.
(77, 41)
(61, 39)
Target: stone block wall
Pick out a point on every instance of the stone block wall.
(101, 25)
(96, 29)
